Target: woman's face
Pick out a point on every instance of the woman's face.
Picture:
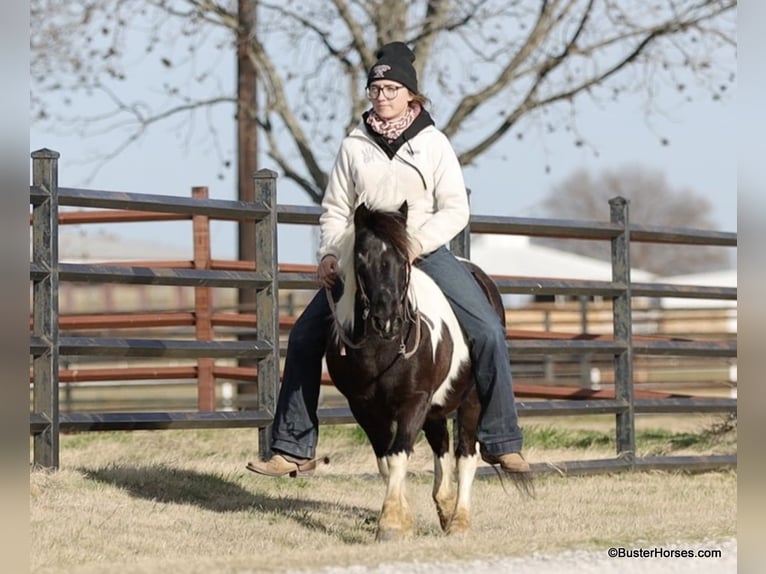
(389, 99)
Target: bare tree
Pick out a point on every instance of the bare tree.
(495, 67)
(653, 202)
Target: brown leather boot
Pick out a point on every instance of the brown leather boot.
(283, 464)
(509, 462)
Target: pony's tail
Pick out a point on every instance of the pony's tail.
(523, 482)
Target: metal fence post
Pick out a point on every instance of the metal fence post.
(623, 328)
(267, 300)
(45, 293)
(460, 245)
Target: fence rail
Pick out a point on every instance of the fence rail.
(48, 345)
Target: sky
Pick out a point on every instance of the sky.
(509, 180)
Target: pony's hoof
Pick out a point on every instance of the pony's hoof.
(389, 534)
(445, 508)
(460, 523)
(457, 528)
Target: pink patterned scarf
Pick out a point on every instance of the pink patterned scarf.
(393, 129)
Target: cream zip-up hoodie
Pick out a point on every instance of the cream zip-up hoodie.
(425, 172)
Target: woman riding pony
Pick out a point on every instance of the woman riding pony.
(396, 155)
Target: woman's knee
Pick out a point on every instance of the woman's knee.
(490, 336)
(307, 339)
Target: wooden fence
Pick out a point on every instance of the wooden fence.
(48, 345)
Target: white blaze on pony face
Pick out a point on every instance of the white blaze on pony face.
(426, 296)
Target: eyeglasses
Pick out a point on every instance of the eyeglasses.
(389, 92)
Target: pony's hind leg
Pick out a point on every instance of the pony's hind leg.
(443, 494)
(467, 461)
(466, 471)
(383, 468)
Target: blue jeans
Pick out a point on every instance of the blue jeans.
(295, 429)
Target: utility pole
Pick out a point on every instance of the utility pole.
(247, 155)
(247, 135)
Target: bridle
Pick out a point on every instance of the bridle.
(408, 316)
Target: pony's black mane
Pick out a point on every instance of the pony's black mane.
(390, 226)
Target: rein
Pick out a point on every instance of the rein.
(402, 350)
(338, 327)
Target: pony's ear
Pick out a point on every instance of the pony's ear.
(360, 215)
(403, 209)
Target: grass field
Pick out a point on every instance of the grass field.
(172, 501)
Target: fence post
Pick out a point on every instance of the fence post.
(203, 326)
(45, 292)
(585, 379)
(460, 245)
(623, 328)
(267, 300)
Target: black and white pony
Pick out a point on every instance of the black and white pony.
(399, 356)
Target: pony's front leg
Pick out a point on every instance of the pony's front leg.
(395, 518)
(444, 466)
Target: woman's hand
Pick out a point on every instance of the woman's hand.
(327, 272)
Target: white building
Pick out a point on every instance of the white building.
(721, 278)
(516, 255)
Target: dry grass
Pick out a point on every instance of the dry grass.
(168, 501)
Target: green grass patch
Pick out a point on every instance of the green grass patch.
(85, 439)
(544, 437)
(549, 437)
(677, 440)
(653, 440)
(352, 433)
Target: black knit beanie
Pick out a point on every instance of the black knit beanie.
(395, 63)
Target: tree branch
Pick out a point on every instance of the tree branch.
(277, 103)
(529, 103)
(84, 49)
(366, 54)
(141, 122)
(287, 169)
(471, 102)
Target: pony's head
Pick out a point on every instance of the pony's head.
(381, 267)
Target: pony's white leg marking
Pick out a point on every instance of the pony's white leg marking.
(383, 468)
(466, 471)
(397, 473)
(395, 519)
(444, 491)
